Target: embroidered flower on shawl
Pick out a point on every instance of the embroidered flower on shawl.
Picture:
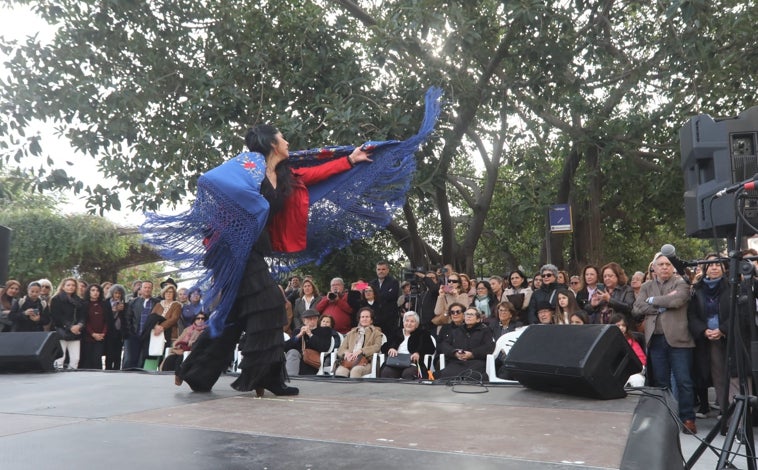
(255, 170)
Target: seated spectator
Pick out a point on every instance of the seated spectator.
(335, 304)
(546, 292)
(575, 284)
(637, 279)
(545, 313)
(506, 320)
(496, 283)
(30, 313)
(412, 341)
(361, 343)
(467, 286)
(565, 307)
(311, 336)
(184, 343)
(98, 311)
(7, 298)
(579, 317)
(619, 319)
(466, 348)
(328, 322)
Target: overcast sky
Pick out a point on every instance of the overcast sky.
(18, 23)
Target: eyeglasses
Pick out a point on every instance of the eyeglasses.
(575, 282)
(456, 312)
(469, 314)
(200, 318)
(547, 275)
(457, 281)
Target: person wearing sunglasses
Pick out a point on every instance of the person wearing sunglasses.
(546, 292)
(450, 293)
(183, 343)
(466, 348)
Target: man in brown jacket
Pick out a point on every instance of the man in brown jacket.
(663, 303)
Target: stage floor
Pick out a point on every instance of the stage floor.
(134, 420)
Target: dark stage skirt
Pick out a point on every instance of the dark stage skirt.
(258, 311)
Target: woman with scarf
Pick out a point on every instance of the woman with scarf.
(707, 317)
(184, 343)
(485, 300)
(290, 208)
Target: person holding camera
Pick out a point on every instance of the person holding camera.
(449, 293)
(30, 313)
(335, 305)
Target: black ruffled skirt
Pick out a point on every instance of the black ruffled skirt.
(259, 311)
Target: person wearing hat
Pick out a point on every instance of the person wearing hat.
(310, 336)
(167, 282)
(545, 313)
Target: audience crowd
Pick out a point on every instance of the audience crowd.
(676, 322)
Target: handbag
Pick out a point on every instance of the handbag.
(66, 334)
(401, 360)
(311, 356)
(360, 360)
(157, 343)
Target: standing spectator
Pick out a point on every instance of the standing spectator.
(168, 312)
(449, 294)
(360, 296)
(614, 297)
(636, 283)
(182, 296)
(46, 290)
(336, 306)
(536, 282)
(68, 316)
(496, 283)
(575, 284)
(7, 298)
(663, 302)
(135, 292)
(191, 309)
(708, 318)
(519, 294)
(590, 277)
(485, 300)
(546, 292)
(30, 313)
(98, 310)
(309, 298)
(81, 287)
(293, 289)
(136, 319)
(386, 290)
(106, 287)
(117, 324)
(363, 341)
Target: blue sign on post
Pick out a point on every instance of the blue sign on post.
(560, 218)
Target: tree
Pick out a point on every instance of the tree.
(561, 101)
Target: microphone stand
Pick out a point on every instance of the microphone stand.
(737, 419)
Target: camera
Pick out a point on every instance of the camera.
(331, 296)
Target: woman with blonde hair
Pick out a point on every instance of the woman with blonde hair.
(69, 318)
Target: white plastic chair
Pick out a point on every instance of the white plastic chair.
(376, 362)
(503, 343)
(429, 358)
(322, 370)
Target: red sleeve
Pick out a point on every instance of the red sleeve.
(316, 174)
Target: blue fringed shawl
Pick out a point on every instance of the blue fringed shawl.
(216, 234)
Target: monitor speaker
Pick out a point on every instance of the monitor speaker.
(29, 352)
(593, 361)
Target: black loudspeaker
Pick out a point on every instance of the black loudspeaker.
(29, 352)
(588, 360)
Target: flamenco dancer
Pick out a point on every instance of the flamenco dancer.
(290, 208)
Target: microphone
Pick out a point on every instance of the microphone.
(669, 252)
(748, 185)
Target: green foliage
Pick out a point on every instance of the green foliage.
(575, 102)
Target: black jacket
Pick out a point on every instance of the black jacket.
(546, 293)
(420, 341)
(67, 311)
(477, 339)
(21, 322)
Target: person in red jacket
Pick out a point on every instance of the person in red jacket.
(335, 305)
